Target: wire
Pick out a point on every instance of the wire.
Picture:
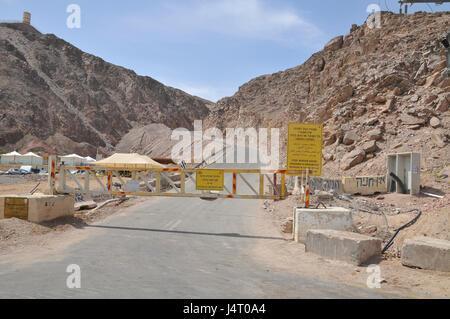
(387, 7)
(397, 231)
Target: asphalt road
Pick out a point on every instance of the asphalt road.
(170, 248)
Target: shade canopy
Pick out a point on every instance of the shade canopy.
(73, 156)
(13, 154)
(129, 161)
(31, 154)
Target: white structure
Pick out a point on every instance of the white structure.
(406, 166)
(11, 158)
(89, 159)
(72, 160)
(31, 159)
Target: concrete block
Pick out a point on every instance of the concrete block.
(335, 218)
(349, 247)
(426, 253)
(36, 208)
(365, 185)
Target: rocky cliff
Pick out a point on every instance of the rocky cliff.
(376, 91)
(54, 97)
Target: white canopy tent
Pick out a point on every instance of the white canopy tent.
(89, 159)
(72, 160)
(11, 158)
(31, 159)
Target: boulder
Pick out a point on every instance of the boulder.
(352, 159)
(335, 44)
(350, 138)
(438, 139)
(370, 146)
(411, 120)
(375, 135)
(380, 99)
(435, 122)
(443, 103)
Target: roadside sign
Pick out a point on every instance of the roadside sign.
(16, 207)
(210, 180)
(305, 148)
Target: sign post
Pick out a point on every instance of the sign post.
(304, 153)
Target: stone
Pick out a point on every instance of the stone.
(435, 122)
(370, 146)
(389, 106)
(352, 159)
(398, 91)
(438, 140)
(443, 104)
(426, 253)
(336, 218)
(350, 138)
(350, 247)
(371, 122)
(287, 226)
(415, 98)
(375, 135)
(380, 99)
(335, 44)
(411, 120)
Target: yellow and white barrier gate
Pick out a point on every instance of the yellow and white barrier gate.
(139, 180)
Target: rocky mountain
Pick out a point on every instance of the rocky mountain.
(56, 98)
(376, 90)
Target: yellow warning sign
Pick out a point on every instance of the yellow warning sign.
(305, 148)
(16, 207)
(210, 180)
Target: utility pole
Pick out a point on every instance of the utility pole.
(404, 3)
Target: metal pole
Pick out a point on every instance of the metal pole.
(52, 174)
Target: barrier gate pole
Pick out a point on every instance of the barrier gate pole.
(52, 174)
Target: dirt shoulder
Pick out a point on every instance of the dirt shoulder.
(16, 234)
(399, 280)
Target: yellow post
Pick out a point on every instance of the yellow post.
(158, 182)
(261, 184)
(183, 178)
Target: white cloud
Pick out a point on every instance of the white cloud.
(237, 18)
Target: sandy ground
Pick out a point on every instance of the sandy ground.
(16, 234)
(434, 222)
(400, 281)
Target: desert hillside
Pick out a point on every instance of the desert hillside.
(376, 91)
(56, 98)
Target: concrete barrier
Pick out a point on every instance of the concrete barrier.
(426, 253)
(36, 208)
(335, 218)
(349, 247)
(366, 185)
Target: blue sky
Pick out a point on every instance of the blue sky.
(205, 47)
